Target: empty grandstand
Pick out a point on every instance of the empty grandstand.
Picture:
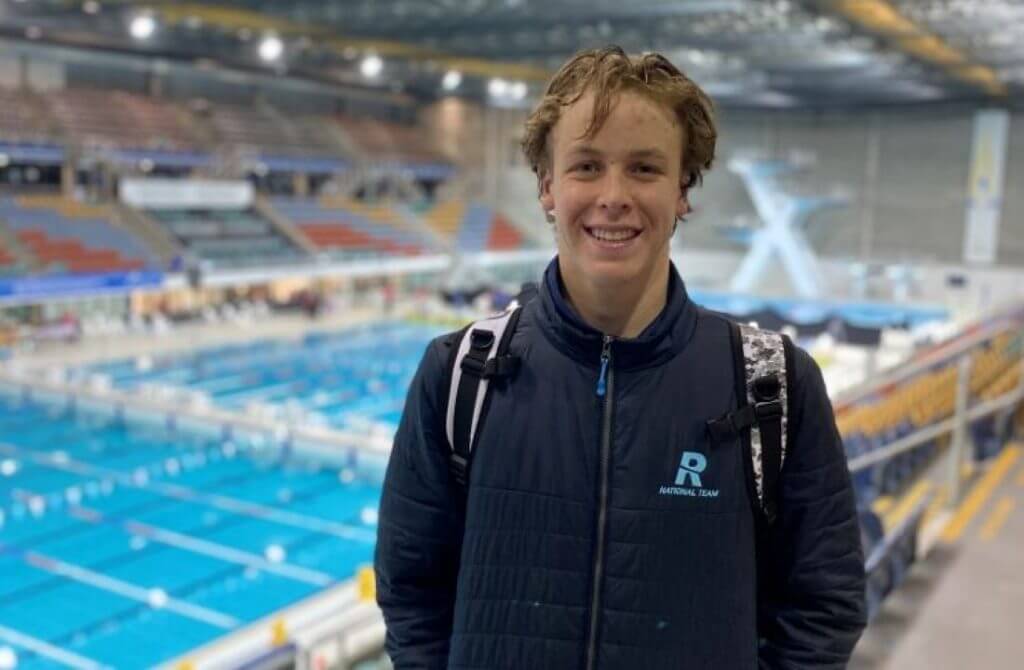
(62, 236)
(346, 228)
(228, 238)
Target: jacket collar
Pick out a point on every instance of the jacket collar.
(665, 337)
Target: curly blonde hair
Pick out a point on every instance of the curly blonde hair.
(608, 72)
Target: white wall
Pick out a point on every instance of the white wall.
(909, 208)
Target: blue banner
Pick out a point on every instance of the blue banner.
(58, 286)
(38, 154)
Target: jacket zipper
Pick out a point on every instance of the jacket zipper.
(605, 390)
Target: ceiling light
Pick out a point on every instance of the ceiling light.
(142, 27)
(518, 90)
(371, 66)
(498, 88)
(452, 80)
(91, 7)
(271, 48)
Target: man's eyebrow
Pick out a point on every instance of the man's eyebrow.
(649, 153)
(587, 150)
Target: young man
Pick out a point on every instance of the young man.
(567, 548)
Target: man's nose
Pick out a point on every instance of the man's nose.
(615, 199)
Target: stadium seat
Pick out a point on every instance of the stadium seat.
(62, 236)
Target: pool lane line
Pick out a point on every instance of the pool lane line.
(250, 509)
(190, 543)
(997, 519)
(204, 547)
(980, 494)
(48, 651)
(125, 589)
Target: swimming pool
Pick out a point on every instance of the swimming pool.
(125, 546)
(352, 379)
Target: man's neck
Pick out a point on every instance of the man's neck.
(623, 311)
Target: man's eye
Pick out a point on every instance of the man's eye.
(586, 167)
(647, 169)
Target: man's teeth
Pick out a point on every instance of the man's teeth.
(612, 235)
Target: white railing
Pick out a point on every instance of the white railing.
(958, 352)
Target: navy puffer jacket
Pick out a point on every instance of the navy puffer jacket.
(573, 549)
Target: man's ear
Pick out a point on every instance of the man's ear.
(683, 204)
(547, 200)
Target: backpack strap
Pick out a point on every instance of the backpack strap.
(762, 362)
(479, 357)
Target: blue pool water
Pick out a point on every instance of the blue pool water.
(351, 379)
(127, 546)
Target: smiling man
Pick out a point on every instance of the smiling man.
(601, 523)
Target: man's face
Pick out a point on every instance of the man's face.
(615, 196)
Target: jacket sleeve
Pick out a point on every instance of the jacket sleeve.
(812, 606)
(419, 528)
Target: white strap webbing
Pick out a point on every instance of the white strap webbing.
(497, 325)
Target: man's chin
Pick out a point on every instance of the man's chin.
(606, 273)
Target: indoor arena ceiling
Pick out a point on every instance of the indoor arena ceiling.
(745, 52)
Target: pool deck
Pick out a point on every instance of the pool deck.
(191, 337)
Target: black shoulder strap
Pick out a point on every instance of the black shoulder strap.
(762, 365)
(479, 357)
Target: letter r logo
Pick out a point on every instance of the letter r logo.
(690, 468)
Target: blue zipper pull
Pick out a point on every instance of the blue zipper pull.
(605, 357)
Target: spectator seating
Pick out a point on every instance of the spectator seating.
(9, 264)
(229, 238)
(384, 142)
(115, 119)
(65, 236)
(266, 132)
(23, 118)
(473, 227)
(347, 228)
(104, 119)
(920, 402)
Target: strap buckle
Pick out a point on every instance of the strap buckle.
(500, 367)
(474, 366)
(766, 390)
(481, 339)
(768, 410)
